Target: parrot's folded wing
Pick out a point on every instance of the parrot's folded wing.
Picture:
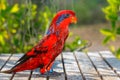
(45, 44)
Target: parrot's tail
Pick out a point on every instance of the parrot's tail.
(7, 71)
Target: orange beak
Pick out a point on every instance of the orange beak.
(74, 20)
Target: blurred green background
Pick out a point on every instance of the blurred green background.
(24, 22)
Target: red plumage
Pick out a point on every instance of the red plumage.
(44, 53)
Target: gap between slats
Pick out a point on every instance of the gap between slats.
(5, 61)
(79, 66)
(87, 69)
(109, 64)
(71, 68)
(104, 70)
(95, 67)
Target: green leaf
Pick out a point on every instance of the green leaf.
(112, 17)
(2, 42)
(113, 2)
(113, 24)
(118, 53)
(118, 30)
(106, 32)
(112, 48)
(77, 43)
(106, 40)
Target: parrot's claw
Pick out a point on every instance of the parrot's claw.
(51, 74)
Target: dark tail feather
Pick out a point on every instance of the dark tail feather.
(7, 71)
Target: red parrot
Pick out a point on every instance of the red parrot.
(44, 53)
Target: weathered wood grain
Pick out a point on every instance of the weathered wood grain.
(112, 60)
(77, 66)
(86, 66)
(103, 69)
(20, 75)
(8, 66)
(36, 75)
(24, 75)
(58, 67)
(3, 59)
(71, 67)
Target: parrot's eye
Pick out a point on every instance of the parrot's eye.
(62, 17)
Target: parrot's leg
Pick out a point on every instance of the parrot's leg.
(51, 72)
(50, 67)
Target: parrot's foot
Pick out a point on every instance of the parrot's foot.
(51, 74)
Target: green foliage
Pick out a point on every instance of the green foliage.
(112, 14)
(109, 35)
(21, 25)
(46, 15)
(76, 44)
(87, 11)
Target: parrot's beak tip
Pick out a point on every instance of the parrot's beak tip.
(74, 20)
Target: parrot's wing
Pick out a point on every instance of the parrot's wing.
(23, 58)
(43, 47)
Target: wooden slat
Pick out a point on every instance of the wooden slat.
(8, 66)
(58, 67)
(36, 75)
(23, 75)
(18, 76)
(3, 59)
(106, 65)
(112, 60)
(71, 67)
(86, 66)
(103, 69)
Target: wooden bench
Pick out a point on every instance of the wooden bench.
(73, 65)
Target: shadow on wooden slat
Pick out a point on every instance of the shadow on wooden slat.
(22, 74)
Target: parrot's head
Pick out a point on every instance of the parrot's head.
(63, 17)
(67, 16)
